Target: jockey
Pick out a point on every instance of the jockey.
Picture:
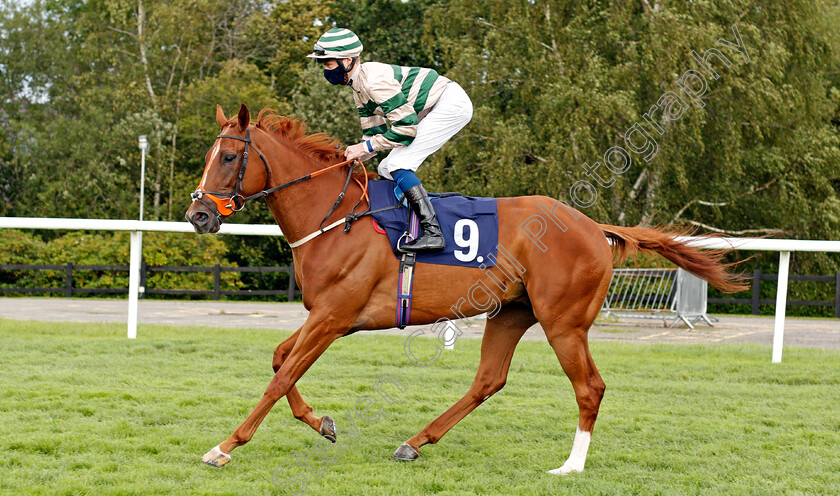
(424, 109)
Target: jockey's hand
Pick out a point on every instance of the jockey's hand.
(358, 152)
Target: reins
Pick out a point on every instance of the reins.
(236, 201)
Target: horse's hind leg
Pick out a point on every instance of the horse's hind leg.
(300, 408)
(501, 335)
(572, 349)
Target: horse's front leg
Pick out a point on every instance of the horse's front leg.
(316, 335)
(300, 408)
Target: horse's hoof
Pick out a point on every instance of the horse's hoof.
(406, 452)
(328, 428)
(215, 458)
(565, 470)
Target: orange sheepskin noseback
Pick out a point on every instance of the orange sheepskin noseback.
(223, 207)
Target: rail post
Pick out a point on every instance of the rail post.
(68, 280)
(136, 253)
(837, 295)
(781, 301)
(217, 282)
(144, 268)
(291, 294)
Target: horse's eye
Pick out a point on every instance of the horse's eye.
(229, 157)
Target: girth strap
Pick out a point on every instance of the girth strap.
(405, 285)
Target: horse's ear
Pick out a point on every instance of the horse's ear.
(220, 116)
(244, 117)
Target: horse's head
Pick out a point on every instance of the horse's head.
(227, 180)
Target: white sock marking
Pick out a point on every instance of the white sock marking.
(577, 459)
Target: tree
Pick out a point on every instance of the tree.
(556, 85)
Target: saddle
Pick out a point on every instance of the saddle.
(470, 227)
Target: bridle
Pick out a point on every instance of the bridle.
(236, 200)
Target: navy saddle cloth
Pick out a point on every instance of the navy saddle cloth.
(470, 225)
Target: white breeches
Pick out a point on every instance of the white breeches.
(450, 114)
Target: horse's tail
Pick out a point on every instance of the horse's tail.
(705, 264)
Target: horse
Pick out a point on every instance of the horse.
(554, 267)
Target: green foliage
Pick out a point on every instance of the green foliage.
(83, 248)
(390, 30)
(287, 34)
(20, 248)
(187, 250)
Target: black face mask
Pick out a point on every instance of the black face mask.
(339, 75)
(336, 76)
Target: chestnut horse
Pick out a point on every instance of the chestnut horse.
(554, 271)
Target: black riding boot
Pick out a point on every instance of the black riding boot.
(431, 239)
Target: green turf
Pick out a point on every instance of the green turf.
(85, 411)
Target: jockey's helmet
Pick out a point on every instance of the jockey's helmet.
(337, 43)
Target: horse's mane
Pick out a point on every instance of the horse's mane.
(317, 145)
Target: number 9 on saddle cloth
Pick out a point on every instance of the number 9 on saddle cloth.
(470, 225)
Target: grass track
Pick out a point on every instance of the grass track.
(85, 411)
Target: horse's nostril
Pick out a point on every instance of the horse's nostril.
(201, 218)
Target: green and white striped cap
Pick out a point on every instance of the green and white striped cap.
(337, 43)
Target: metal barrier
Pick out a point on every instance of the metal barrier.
(642, 293)
(691, 299)
(657, 294)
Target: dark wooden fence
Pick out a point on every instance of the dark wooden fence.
(69, 289)
(756, 299)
